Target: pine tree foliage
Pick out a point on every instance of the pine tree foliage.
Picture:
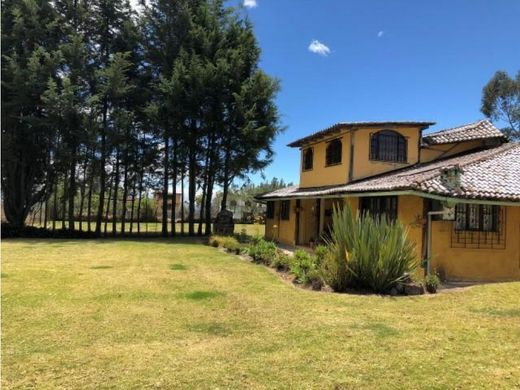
(106, 111)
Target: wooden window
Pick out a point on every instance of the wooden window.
(269, 213)
(308, 157)
(333, 153)
(388, 145)
(477, 217)
(378, 206)
(285, 209)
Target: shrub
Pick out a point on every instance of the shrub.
(263, 251)
(303, 265)
(367, 252)
(431, 283)
(281, 261)
(228, 242)
(320, 251)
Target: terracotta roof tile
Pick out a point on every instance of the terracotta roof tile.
(482, 129)
(340, 125)
(491, 174)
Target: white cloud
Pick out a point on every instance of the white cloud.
(380, 34)
(250, 3)
(319, 48)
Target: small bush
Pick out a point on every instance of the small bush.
(321, 252)
(229, 243)
(431, 283)
(281, 262)
(303, 266)
(263, 252)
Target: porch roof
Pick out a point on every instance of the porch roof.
(491, 174)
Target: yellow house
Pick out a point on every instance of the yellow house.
(457, 191)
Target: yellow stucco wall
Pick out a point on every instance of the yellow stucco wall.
(322, 175)
(478, 264)
(441, 151)
(364, 167)
(451, 262)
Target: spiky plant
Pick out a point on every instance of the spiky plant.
(367, 252)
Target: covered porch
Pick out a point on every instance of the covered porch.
(302, 222)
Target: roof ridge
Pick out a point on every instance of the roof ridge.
(459, 127)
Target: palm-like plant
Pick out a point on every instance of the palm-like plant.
(368, 252)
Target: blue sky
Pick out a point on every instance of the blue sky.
(388, 60)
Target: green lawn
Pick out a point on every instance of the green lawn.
(155, 227)
(172, 314)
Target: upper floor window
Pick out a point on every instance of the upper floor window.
(308, 156)
(333, 154)
(377, 206)
(388, 145)
(285, 209)
(477, 217)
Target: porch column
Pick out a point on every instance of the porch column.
(322, 217)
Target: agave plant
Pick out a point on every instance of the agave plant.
(367, 252)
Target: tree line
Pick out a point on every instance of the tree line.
(102, 104)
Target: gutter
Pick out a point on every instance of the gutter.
(445, 199)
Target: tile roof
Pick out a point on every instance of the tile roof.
(340, 125)
(491, 174)
(482, 129)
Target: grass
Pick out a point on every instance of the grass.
(124, 314)
(155, 227)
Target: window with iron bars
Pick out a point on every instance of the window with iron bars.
(479, 226)
(388, 145)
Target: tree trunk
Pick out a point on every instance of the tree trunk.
(182, 200)
(192, 188)
(125, 186)
(108, 206)
(102, 175)
(174, 185)
(82, 193)
(64, 205)
(89, 200)
(164, 229)
(139, 202)
(225, 184)
(55, 205)
(72, 189)
(132, 205)
(115, 192)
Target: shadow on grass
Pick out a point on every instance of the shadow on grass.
(61, 242)
(101, 267)
(201, 295)
(211, 328)
(178, 267)
(379, 329)
(497, 312)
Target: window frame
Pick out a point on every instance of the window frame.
(464, 211)
(285, 210)
(305, 151)
(329, 143)
(401, 150)
(384, 203)
(270, 209)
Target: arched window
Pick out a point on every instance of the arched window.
(388, 145)
(308, 156)
(333, 154)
